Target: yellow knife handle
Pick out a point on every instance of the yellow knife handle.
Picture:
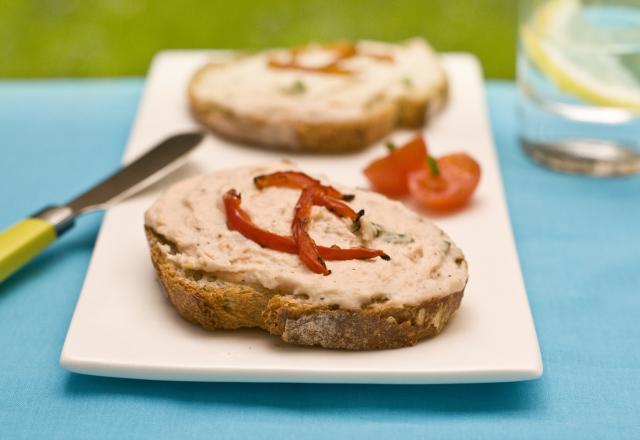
(27, 238)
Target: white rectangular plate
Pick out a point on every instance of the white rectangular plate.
(123, 326)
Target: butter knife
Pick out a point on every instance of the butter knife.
(27, 238)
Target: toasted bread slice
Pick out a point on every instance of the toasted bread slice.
(386, 85)
(218, 279)
(212, 303)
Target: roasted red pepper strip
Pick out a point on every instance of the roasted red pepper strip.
(313, 194)
(307, 250)
(330, 68)
(297, 180)
(337, 207)
(336, 253)
(327, 197)
(238, 220)
(340, 50)
(384, 57)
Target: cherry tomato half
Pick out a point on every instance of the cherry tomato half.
(446, 185)
(388, 175)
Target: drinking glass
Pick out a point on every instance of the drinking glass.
(578, 72)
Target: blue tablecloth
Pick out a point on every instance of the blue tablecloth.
(578, 240)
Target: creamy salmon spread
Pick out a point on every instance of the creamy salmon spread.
(424, 263)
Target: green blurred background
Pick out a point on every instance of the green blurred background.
(51, 38)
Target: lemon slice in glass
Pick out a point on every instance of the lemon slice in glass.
(593, 54)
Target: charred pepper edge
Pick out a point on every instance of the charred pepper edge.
(297, 180)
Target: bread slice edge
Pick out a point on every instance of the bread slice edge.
(212, 303)
(322, 136)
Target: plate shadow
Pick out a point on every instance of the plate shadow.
(323, 398)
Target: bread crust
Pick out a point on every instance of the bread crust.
(322, 136)
(212, 303)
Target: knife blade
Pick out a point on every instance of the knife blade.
(140, 173)
(27, 238)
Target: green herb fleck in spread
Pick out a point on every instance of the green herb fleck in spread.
(407, 82)
(390, 237)
(390, 146)
(297, 88)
